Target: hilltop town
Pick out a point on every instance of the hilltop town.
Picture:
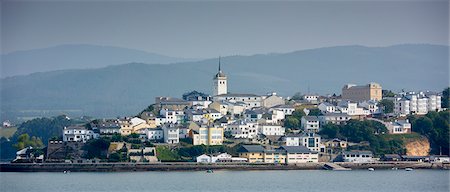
(364, 124)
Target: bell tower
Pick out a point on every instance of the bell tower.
(220, 83)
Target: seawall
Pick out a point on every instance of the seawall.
(122, 167)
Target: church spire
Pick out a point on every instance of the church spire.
(219, 65)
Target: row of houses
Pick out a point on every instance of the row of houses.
(281, 155)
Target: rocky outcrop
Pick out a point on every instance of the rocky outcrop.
(417, 147)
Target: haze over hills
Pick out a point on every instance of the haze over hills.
(128, 88)
(76, 56)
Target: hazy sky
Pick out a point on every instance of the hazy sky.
(209, 29)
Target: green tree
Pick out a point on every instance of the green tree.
(115, 157)
(387, 93)
(445, 97)
(330, 131)
(297, 96)
(298, 114)
(24, 141)
(386, 105)
(292, 122)
(423, 126)
(96, 148)
(315, 112)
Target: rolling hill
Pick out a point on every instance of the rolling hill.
(76, 56)
(126, 89)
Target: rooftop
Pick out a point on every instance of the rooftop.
(297, 149)
(251, 148)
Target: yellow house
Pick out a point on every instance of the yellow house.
(207, 135)
(150, 118)
(254, 153)
(125, 127)
(275, 156)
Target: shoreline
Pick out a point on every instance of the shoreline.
(166, 166)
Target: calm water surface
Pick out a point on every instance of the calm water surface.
(221, 181)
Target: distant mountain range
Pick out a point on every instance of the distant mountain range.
(128, 88)
(76, 56)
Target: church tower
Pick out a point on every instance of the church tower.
(220, 83)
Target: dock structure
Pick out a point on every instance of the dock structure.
(335, 167)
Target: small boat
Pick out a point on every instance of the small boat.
(371, 169)
(409, 169)
(394, 168)
(209, 171)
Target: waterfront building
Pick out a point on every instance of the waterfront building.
(203, 159)
(220, 158)
(300, 154)
(277, 156)
(254, 153)
(359, 93)
(357, 156)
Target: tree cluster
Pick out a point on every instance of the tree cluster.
(364, 131)
(435, 127)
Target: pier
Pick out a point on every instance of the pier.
(335, 167)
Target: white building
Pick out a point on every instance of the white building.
(220, 83)
(351, 108)
(372, 106)
(203, 159)
(77, 134)
(357, 156)
(169, 116)
(292, 140)
(249, 100)
(326, 107)
(416, 103)
(310, 123)
(334, 118)
(311, 98)
(300, 154)
(399, 127)
(220, 158)
(272, 100)
(271, 129)
(287, 109)
(154, 134)
(243, 129)
(171, 133)
(312, 141)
